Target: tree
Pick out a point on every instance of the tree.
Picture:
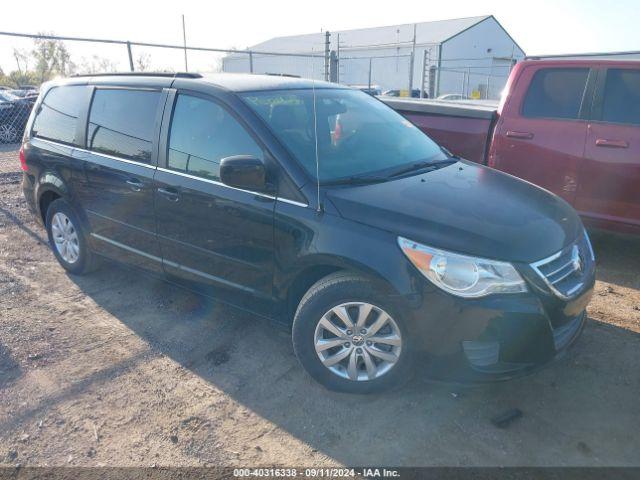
(17, 79)
(143, 62)
(95, 64)
(51, 57)
(22, 60)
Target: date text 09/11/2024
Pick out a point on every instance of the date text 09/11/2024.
(346, 472)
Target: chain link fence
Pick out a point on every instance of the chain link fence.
(27, 60)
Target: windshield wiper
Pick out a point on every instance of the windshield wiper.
(403, 170)
(425, 165)
(355, 180)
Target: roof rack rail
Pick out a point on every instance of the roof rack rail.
(290, 75)
(141, 74)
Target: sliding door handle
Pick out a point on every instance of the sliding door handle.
(602, 142)
(170, 194)
(135, 184)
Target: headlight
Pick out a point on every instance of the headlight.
(462, 275)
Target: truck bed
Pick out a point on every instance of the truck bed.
(464, 128)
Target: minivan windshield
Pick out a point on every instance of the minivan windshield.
(358, 136)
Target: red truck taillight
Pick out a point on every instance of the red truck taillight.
(23, 160)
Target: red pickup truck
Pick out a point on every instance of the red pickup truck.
(570, 126)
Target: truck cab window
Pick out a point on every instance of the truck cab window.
(556, 93)
(621, 102)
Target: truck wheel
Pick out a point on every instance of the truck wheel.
(67, 239)
(349, 336)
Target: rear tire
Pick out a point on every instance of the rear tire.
(68, 240)
(372, 355)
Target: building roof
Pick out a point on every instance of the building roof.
(434, 32)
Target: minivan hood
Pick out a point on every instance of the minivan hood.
(465, 208)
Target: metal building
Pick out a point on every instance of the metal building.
(467, 56)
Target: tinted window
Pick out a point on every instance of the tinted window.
(121, 123)
(58, 114)
(621, 103)
(357, 134)
(202, 134)
(556, 93)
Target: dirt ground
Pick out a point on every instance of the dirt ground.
(117, 368)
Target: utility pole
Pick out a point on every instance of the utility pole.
(327, 54)
(425, 65)
(338, 59)
(412, 61)
(184, 42)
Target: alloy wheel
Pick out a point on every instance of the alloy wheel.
(65, 237)
(358, 341)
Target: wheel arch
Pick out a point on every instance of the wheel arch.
(317, 267)
(51, 187)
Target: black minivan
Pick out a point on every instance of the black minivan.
(316, 205)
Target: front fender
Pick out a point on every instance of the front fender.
(305, 239)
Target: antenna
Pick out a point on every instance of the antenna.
(184, 42)
(315, 133)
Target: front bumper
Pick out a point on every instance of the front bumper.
(494, 338)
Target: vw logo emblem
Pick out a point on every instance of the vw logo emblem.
(576, 259)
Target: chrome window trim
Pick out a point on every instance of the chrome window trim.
(84, 150)
(215, 182)
(166, 170)
(119, 159)
(51, 142)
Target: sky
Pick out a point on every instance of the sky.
(539, 26)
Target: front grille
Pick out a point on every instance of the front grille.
(565, 273)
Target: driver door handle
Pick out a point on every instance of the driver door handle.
(602, 142)
(520, 135)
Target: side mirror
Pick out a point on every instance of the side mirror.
(244, 171)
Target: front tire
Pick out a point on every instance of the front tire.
(350, 337)
(67, 238)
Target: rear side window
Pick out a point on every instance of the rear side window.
(202, 134)
(58, 114)
(556, 93)
(121, 123)
(621, 102)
